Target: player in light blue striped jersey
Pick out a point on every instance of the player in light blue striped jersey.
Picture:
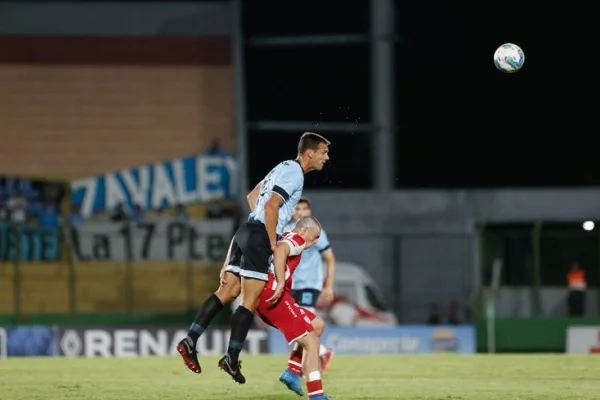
(310, 280)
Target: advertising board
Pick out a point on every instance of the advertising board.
(583, 340)
(28, 341)
(137, 341)
(389, 340)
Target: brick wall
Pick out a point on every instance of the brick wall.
(71, 107)
(79, 120)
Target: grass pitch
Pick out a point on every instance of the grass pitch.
(501, 377)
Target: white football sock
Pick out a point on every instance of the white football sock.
(322, 351)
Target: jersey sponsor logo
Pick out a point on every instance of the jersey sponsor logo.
(289, 306)
(307, 298)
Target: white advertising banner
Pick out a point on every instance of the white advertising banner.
(583, 340)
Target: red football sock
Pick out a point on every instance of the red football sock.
(314, 384)
(295, 361)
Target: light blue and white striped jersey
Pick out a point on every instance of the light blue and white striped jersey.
(287, 181)
(310, 273)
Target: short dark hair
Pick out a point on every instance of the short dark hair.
(311, 141)
(305, 201)
(308, 222)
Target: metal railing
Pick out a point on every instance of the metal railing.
(538, 255)
(411, 270)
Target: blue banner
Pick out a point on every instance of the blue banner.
(28, 341)
(187, 180)
(407, 339)
(35, 244)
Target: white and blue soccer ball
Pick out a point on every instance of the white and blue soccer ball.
(509, 58)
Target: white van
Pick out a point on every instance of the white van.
(353, 283)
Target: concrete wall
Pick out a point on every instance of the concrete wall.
(421, 246)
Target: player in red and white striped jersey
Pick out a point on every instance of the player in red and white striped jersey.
(279, 309)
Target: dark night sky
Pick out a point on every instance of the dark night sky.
(461, 123)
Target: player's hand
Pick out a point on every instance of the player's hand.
(278, 292)
(327, 296)
(273, 245)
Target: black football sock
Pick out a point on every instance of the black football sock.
(241, 320)
(207, 311)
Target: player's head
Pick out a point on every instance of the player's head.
(310, 230)
(313, 151)
(302, 209)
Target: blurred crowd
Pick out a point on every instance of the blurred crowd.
(38, 203)
(452, 314)
(25, 207)
(137, 214)
(18, 208)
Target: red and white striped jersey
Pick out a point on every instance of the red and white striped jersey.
(296, 244)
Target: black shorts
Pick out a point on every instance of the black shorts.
(306, 297)
(250, 252)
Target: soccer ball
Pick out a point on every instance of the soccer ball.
(509, 58)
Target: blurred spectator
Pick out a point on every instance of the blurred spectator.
(577, 286)
(119, 213)
(74, 217)
(453, 314)
(181, 212)
(450, 316)
(49, 216)
(3, 211)
(17, 207)
(215, 149)
(214, 210)
(435, 315)
(137, 214)
(161, 210)
(101, 214)
(467, 315)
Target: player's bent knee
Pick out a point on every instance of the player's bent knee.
(226, 294)
(229, 291)
(318, 325)
(310, 341)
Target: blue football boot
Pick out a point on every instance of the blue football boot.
(292, 382)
